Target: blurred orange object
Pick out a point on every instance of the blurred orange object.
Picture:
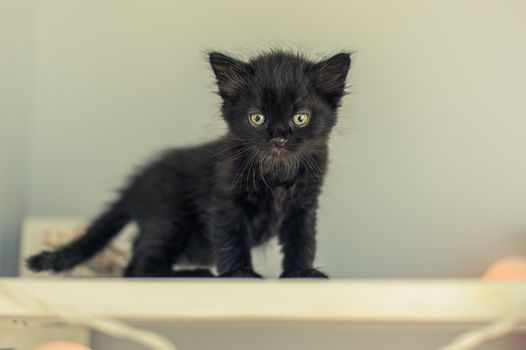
(511, 268)
(61, 345)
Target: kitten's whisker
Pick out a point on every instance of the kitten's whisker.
(308, 163)
(234, 156)
(252, 148)
(214, 155)
(312, 165)
(262, 173)
(252, 169)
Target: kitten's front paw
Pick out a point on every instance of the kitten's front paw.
(241, 273)
(307, 273)
(195, 273)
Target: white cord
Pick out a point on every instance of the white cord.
(114, 328)
(503, 325)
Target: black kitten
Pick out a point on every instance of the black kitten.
(209, 205)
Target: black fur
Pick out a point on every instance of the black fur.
(208, 205)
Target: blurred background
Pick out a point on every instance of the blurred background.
(427, 174)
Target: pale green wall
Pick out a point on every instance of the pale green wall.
(428, 172)
(17, 47)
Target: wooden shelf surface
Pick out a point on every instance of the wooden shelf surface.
(420, 301)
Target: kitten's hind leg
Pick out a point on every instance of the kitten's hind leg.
(155, 249)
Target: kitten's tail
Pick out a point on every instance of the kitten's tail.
(97, 236)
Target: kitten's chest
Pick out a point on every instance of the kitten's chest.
(270, 214)
(279, 200)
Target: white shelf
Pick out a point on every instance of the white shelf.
(420, 301)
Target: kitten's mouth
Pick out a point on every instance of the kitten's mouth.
(279, 153)
(280, 162)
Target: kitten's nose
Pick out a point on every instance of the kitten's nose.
(279, 142)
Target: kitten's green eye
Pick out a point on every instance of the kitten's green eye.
(300, 119)
(256, 119)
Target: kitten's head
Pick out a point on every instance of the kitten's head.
(280, 103)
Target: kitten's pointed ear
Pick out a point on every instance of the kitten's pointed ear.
(330, 76)
(230, 73)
